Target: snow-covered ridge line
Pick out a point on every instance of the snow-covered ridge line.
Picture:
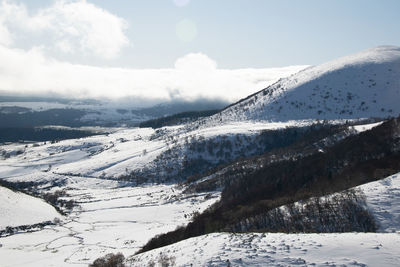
(365, 85)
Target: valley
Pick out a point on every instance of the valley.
(268, 180)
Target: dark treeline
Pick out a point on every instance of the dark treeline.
(66, 117)
(356, 160)
(24, 228)
(40, 134)
(179, 118)
(19, 186)
(342, 212)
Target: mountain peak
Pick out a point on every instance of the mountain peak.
(361, 85)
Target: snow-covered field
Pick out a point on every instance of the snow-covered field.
(87, 156)
(115, 216)
(112, 217)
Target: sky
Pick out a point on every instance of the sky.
(160, 50)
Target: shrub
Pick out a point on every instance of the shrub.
(342, 212)
(166, 261)
(109, 260)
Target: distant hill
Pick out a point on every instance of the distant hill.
(30, 112)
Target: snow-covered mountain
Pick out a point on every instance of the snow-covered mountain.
(123, 185)
(363, 85)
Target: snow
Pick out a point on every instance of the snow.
(257, 249)
(115, 216)
(112, 217)
(119, 216)
(383, 200)
(117, 153)
(248, 127)
(366, 127)
(20, 209)
(87, 156)
(363, 85)
(278, 249)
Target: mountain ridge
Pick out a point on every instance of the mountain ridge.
(361, 85)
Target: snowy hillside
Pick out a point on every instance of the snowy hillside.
(113, 216)
(362, 85)
(145, 151)
(130, 185)
(275, 249)
(383, 200)
(256, 249)
(20, 209)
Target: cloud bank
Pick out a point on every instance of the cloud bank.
(79, 27)
(194, 76)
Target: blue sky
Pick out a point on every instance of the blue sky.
(112, 41)
(256, 33)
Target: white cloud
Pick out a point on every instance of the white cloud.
(69, 26)
(195, 62)
(5, 36)
(195, 76)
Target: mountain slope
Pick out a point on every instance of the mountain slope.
(357, 159)
(277, 249)
(362, 85)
